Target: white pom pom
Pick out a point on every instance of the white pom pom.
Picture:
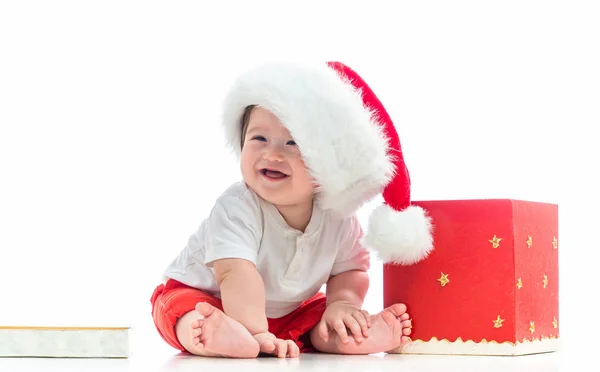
(399, 237)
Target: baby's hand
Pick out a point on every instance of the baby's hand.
(340, 315)
(272, 345)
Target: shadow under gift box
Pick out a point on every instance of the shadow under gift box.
(489, 287)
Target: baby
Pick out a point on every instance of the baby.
(314, 144)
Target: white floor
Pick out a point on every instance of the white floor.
(533, 363)
(150, 354)
(558, 361)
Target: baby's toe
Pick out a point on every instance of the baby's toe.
(404, 316)
(197, 323)
(196, 341)
(196, 332)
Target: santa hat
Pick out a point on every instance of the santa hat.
(348, 142)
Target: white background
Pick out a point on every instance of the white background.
(111, 152)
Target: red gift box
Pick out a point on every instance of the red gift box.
(490, 287)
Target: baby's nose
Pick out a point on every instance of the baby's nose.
(273, 154)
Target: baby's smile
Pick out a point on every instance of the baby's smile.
(273, 174)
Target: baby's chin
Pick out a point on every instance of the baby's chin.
(276, 198)
(283, 199)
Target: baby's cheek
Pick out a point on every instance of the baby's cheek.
(299, 166)
(306, 178)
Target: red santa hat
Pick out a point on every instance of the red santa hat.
(349, 144)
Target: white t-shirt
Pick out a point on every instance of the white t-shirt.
(293, 265)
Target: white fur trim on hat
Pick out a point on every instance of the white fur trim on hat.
(344, 149)
(399, 237)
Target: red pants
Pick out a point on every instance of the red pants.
(174, 299)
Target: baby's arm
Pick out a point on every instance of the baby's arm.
(349, 281)
(242, 293)
(347, 287)
(345, 295)
(350, 287)
(243, 299)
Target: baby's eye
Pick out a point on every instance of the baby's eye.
(291, 143)
(259, 138)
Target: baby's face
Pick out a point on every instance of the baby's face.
(271, 163)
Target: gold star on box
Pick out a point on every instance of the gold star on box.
(555, 323)
(545, 280)
(519, 283)
(495, 241)
(498, 322)
(443, 279)
(531, 327)
(555, 243)
(529, 241)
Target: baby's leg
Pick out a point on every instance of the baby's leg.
(192, 320)
(389, 329)
(207, 331)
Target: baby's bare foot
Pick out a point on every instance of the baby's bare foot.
(207, 331)
(389, 330)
